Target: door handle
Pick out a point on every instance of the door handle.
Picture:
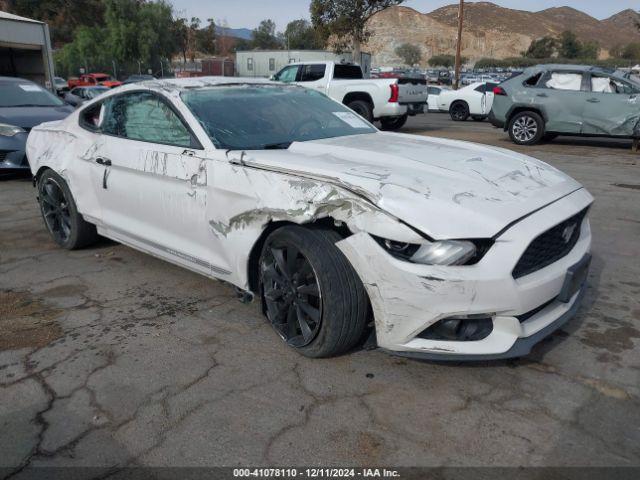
(543, 95)
(103, 161)
(593, 100)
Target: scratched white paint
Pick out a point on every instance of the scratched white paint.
(205, 209)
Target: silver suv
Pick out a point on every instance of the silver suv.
(550, 100)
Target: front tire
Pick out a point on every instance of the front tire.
(60, 214)
(362, 108)
(459, 111)
(310, 292)
(526, 128)
(393, 123)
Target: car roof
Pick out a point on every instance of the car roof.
(569, 68)
(197, 82)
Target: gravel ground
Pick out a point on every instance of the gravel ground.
(109, 357)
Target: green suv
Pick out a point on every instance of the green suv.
(550, 100)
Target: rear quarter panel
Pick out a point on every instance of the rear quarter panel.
(65, 148)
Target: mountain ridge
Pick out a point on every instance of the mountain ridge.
(491, 30)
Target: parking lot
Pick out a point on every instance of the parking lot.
(109, 357)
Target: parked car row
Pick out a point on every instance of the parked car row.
(538, 104)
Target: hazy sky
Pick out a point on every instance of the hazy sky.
(248, 13)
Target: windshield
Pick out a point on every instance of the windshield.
(255, 117)
(26, 94)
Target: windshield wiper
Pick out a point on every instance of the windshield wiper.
(268, 146)
(32, 105)
(277, 146)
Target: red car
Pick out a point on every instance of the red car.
(93, 79)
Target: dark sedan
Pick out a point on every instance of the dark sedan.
(23, 105)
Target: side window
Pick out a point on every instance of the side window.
(90, 118)
(481, 88)
(433, 91)
(144, 117)
(563, 81)
(287, 74)
(533, 81)
(272, 64)
(312, 73)
(606, 84)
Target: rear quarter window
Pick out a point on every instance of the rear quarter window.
(347, 72)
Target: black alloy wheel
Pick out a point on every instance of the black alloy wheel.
(459, 112)
(311, 294)
(291, 294)
(55, 210)
(65, 224)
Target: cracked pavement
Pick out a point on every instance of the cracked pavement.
(111, 358)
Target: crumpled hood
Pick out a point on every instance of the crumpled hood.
(445, 188)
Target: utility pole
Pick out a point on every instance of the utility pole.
(459, 44)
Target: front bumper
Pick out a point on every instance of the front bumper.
(408, 298)
(12, 153)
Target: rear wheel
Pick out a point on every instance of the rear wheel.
(310, 292)
(526, 128)
(393, 123)
(362, 108)
(459, 111)
(60, 214)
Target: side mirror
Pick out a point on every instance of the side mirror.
(273, 78)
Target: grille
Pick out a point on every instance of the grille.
(3, 154)
(551, 246)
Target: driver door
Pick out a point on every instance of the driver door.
(287, 74)
(152, 180)
(612, 107)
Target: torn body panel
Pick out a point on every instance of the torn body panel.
(408, 298)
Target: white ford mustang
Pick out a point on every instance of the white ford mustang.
(454, 250)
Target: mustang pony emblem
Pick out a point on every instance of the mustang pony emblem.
(567, 233)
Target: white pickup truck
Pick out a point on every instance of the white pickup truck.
(390, 100)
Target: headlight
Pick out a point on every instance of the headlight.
(444, 252)
(9, 130)
(447, 252)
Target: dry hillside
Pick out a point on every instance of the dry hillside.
(490, 30)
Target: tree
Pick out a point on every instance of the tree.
(590, 50)
(264, 37)
(346, 20)
(180, 33)
(631, 51)
(300, 35)
(543, 47)
(133, 34)
(206, 38)
(62, 16)
(447, 61)
(570, 46)
(410, 54)
(616, 51)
